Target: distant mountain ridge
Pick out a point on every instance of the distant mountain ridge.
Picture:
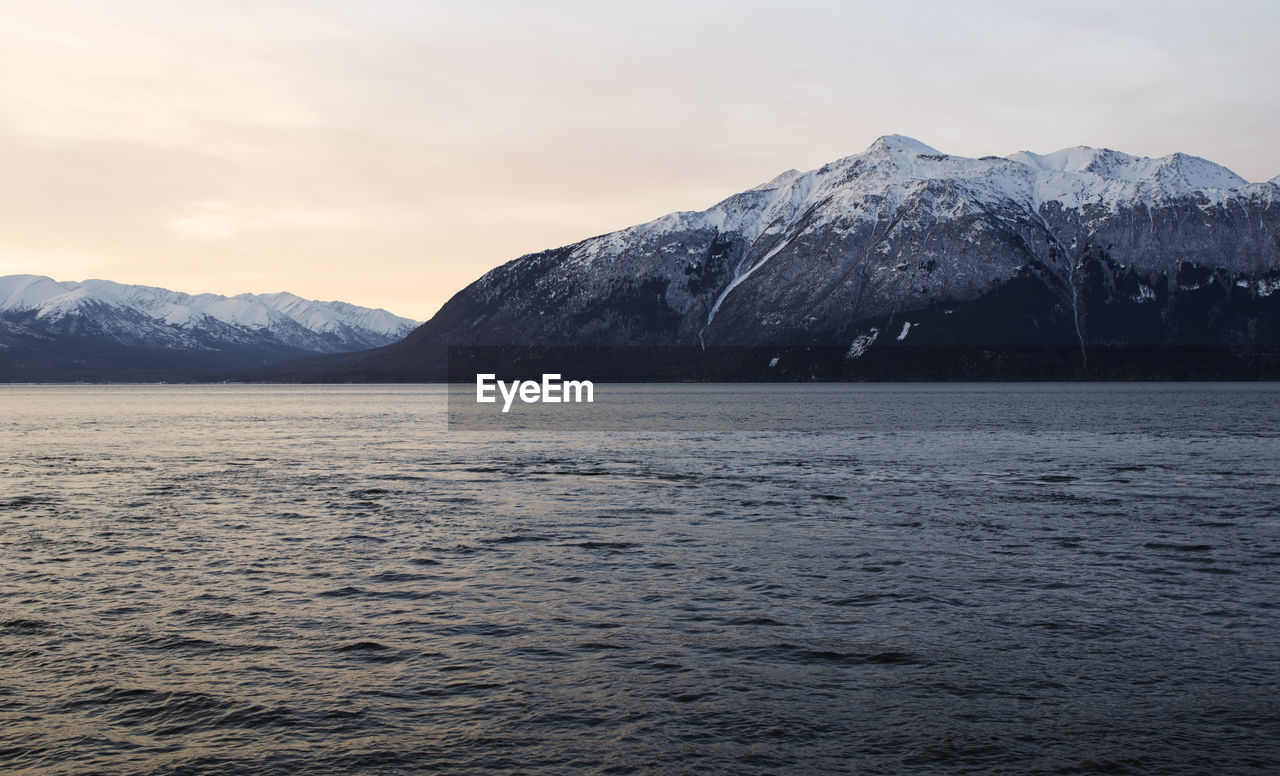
(914, 263)
(99, 329)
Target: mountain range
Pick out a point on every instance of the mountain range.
(901, 262)
(98, 329)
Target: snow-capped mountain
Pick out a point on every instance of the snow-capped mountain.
(97, 328)
(901, 245)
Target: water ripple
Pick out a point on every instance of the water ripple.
(319, 591)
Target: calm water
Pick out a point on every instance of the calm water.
(322, 580)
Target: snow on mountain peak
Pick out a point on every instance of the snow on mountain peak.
(902, 144)
(1173, 175)
(1198, 173)
(51, 299)
(895, 168)
(778, 181)
(1101, 161)
(22, 292)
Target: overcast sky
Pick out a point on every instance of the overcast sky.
(388, 152)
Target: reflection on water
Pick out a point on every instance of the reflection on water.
(323, 580)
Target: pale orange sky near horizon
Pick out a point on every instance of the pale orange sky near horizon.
(387, 153)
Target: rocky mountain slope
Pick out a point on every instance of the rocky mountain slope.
(903, 261)
(104, 330)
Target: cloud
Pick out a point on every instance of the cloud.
(208, 225)
(303, 218)
(217, 220)
(398, 149)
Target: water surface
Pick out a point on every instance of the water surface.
(324, 580)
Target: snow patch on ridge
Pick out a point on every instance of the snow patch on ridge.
(738, 280)
(1081, 175)
(861, 344)
(783, 179)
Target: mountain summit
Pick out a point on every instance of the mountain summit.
(98, 329)
(916, 263)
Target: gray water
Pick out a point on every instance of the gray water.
(325, 580)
